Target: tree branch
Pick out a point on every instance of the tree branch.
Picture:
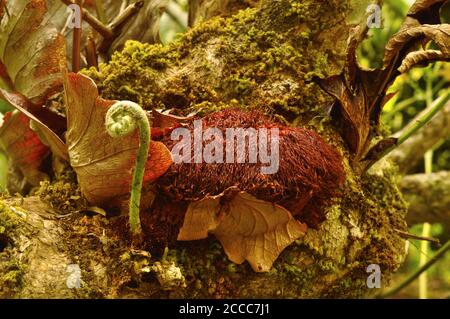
(428, 196)
(412, 150)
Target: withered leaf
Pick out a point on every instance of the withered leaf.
(47, 134)
(426, 11)
(31, 58)
(353, 110)
(23, 147)
(352, 96)
(248, 228)
(31, 49)
(167, 120)
(440, 34)
(103, 164)
(422, 58)
(375, 152)
(361, 93)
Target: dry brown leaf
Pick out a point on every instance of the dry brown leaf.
(353, 109)
(201, 218)
(422, 58)
(401, 42)
(31, 49)
(353, 103)
(47, 134)
(361, 93)
(426, 11)
(248, 228)
(103, 164)
(31, 58)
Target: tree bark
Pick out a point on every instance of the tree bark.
(408, 155)
(428, 196)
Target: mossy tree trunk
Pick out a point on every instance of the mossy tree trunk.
(261, 57)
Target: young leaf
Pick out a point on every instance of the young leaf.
(248, 228)
(103, 164)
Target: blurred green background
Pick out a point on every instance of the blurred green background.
(416, 90)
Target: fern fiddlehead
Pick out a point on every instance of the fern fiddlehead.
(122, 119)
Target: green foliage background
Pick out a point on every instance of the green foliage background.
(416, 90)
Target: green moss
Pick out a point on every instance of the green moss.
(8, 220)
(11, 275)
(63, 194)
(11, 270)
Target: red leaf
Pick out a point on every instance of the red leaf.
(23, 146)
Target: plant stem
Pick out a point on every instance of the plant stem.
(413, 127)
(434, 108)
(400, 107)
(6, 8)
(440, 253)
(121, 120)
(423, 279)
(94, 22)
(76, 45)
(91, 52)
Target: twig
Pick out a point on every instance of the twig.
(6, 8)
(96, 24)
(91, 52)
(100, 11)
(434, 108)
(440, 253)
(76, 46)
(406, 235)
(417, 124)
(175, 19)
(117, 24)
(125, 15)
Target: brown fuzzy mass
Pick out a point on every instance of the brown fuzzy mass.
(310, 170)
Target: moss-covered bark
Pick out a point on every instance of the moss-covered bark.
(259, 58)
